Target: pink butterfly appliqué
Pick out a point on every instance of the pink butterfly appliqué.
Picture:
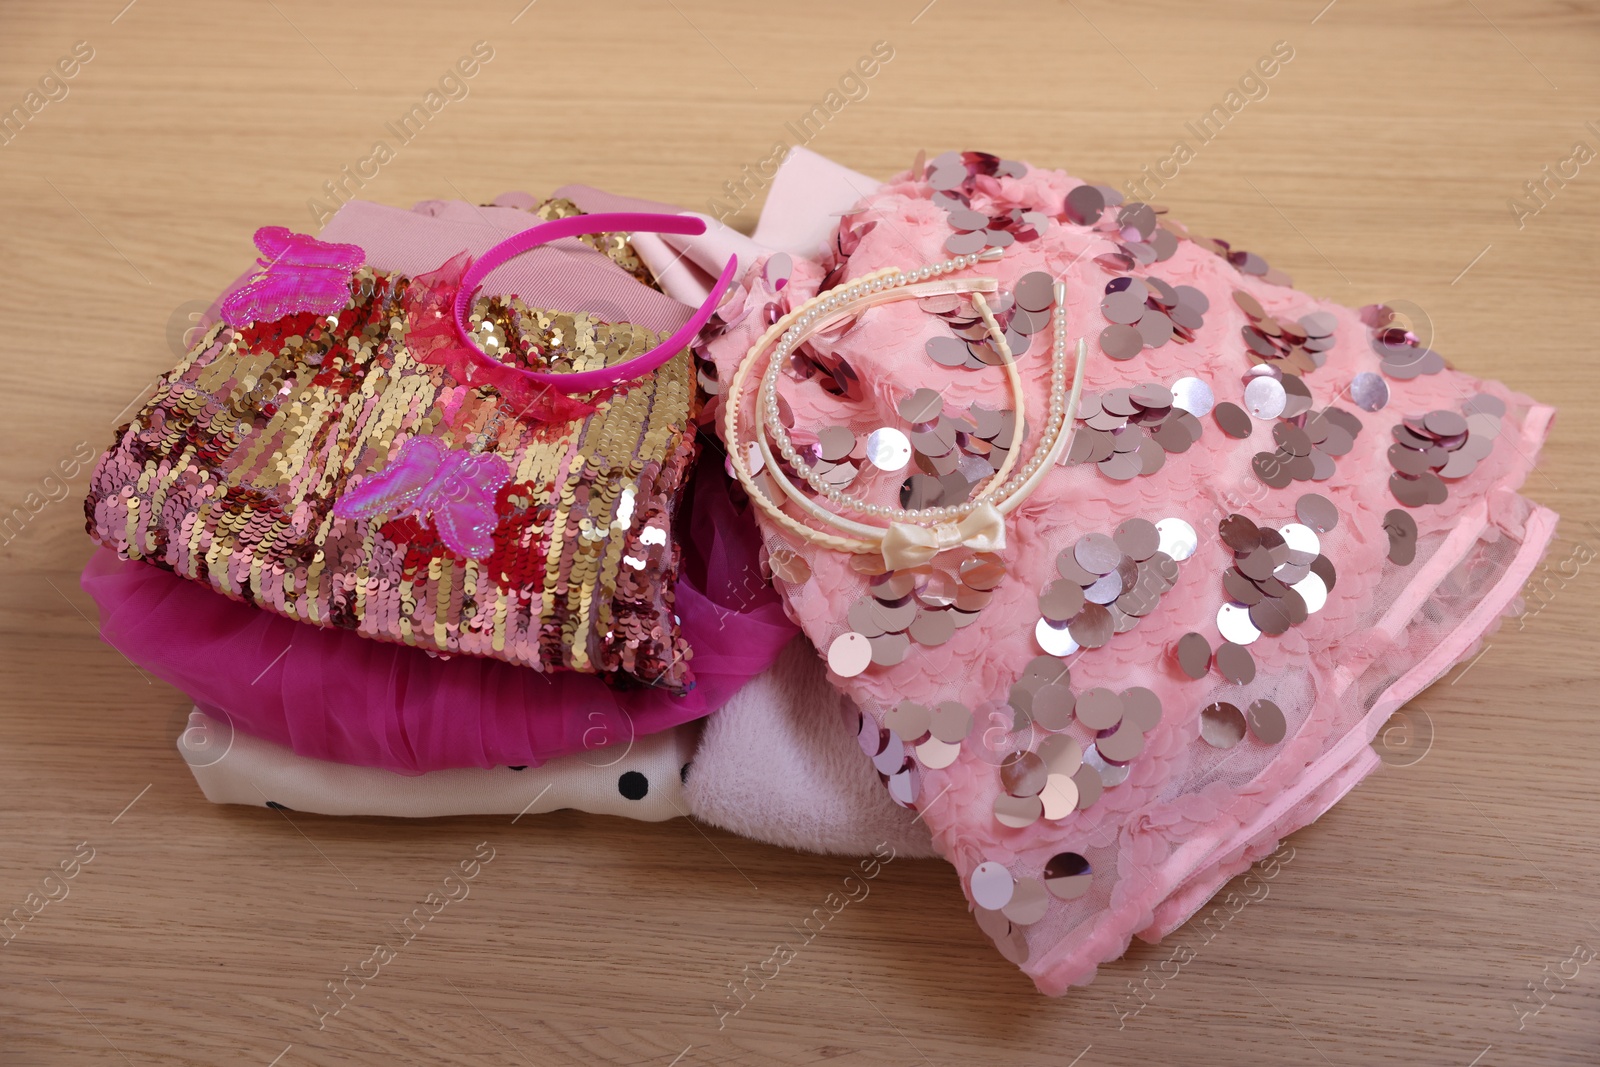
(298, 273)
(454, 487)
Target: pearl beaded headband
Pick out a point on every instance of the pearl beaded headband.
(913, 536)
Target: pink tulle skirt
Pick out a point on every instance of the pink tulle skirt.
(334, 695)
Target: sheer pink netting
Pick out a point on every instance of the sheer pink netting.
(335, 695)
(1188, 816)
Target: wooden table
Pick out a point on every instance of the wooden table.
(1378, 165)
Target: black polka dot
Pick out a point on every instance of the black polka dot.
(633, 785)
(521, 768)
(275, 806)
(683, 774)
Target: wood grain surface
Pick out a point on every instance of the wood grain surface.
(1380, 163)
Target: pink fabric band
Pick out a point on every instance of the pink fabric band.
(613, 222)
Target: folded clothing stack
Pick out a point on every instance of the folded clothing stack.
(777, 763)
(325, 720)
(1271, 521)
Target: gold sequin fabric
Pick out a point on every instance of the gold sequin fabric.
(229, 475)
(614, 246)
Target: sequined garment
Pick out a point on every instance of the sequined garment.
(1279, 519)
(229, 476)
(614, 246)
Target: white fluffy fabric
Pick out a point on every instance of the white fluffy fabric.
(780, 763)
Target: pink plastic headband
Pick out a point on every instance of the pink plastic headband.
(607, 222)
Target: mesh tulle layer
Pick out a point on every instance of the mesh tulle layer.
(335, 695)
(1217, 815)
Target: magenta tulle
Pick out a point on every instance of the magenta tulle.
(334, 695)
(430, 318)
(432, 336)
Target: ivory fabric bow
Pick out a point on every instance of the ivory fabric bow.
(906, 545)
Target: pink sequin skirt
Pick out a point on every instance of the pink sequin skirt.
(1279, 520)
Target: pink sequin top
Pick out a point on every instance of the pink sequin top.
(325, 462)
(1066, 861)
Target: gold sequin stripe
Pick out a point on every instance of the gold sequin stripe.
(598, 557)
(207, 536)
(653, 430)
(319, 563)
(580, 571)
(606, 552)
(258, 563)
(380, 415)
(560, 331)
(220, 552)
(155, 484)
(447, 610)
(558, 569)
(191, 563)
(650, 430)
(371, 432)
(276, 440)
(141, 541)
(235, 374)
(358, 580)
(540, 465)
(439, 576)
(470, 575)
(194, 353)
(422, 602)
(352, 432)
(473, 621)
